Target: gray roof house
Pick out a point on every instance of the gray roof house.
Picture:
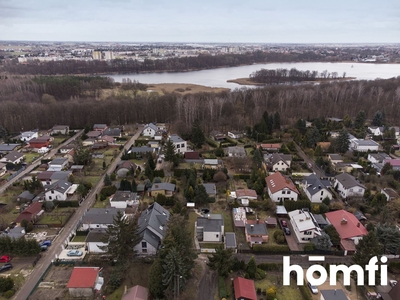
(236, 151)
(13, 157)
(25, 196)
(336, 294)
(211, 189)
(94, 240)
(230, 241)
(278, 161)
(114, 132)
(99, 217)
(164, 188)
(57, 190)
(58, 164)
(256, 232)
(348, 186)
(210, 228)
(14, 233)
(5, 148)
(152, 229)
(316, 189)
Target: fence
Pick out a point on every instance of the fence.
(16, 173)
(40, 280)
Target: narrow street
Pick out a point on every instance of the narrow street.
(56, 247)
(309, 162)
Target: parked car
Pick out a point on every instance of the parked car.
(45, 243)
(286, 230)
(43, 248)
(74, 253)
(284, 223)
(313, 288)
(392, 282)
(5, 259)
(6, 267)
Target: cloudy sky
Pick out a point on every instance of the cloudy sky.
(235, 21)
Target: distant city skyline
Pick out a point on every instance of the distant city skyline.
(206, 21)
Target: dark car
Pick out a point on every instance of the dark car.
(45, 243)
(6, 267)
(286, 230)
(284, 223)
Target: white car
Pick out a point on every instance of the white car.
(392, 282)
(313, 288)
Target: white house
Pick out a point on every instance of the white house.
(58, 164)
(278, 161)
(378, 157)
(235, 134)
(28, 135)
(179, 143)
(84, 282)
(210, 228)
(60, 129)
(99, 218)
(348, 186)
(152, 229)
(150, 130)
(304, 225)
(3, 169)
(376, 130)
(57, 191)
(123, 199)
(316, 189)
(14, 157)
(281, 188)
(364, 145)
(95, 240)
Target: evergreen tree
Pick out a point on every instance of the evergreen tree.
(323, 242)
(134, 186)
(197, 134)
(312, 137)
(107, 180)
(361, 117)
(257, 158)
(347, 121)
(156, 287)
(150, 162)
(251, 268)
(200, 195)
(378, 119)
(169, 151)
(121, 237)
(221, 261)
(277, 121)
(389, 237)
(342, 141)
(173, 269)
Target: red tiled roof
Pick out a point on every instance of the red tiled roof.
(192, 155)
(244, 288)
(83, 277)
(271, 146)
(46, 175)
(246, 193)
(30, 212)
(348, 244)
(277, 182)
(345, 224)
(138, 292)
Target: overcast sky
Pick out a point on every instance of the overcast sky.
(235, 21)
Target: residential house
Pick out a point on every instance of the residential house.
(5, 148)
(141, 151)
(94, 134)
(281, 188)
(271, 147)
(364, 145)
(347, 186)
(179, 143)
(235, 134)
(154, 144)
(88, 142)
(237, 151)
(100, 127)
(124, 167)
(316, 189)
(256, 232)
(85, 282)
(239, 216)
(137, 292)
(123, 199)
(211, 189)
(350, 230)
(390, 194)
(210, 228)
(379, 157)
(320, 220)
(230, 241)
(335, 158)
(152, 229)
(192, 155)
(347, 167)
(28, 135)
(60, 129)
(244, 195)
(57, 191)
(336, 294)
(212, 163)
(40, 142)
(99, 218)
(50, 177)
(304, 225)
(150, 130)
(13, 157)
(112, 132)
(108, 140)
(376, 130)
(387, 292)
(395, 163)
(67, 148)
(58, 164)
(25, 196)
(278, 162)
(31, 213)
(244, 289)
(3, 169)
(217, 136)
(163, 188)
(95, 240)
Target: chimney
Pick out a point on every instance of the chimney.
(125, 290)
(208, 216)
(258, 221)
(358, 224)
(343, 222)
(251, 227)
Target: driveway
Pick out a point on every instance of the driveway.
(291, 239)
(59, 241)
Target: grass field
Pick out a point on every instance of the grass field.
(30, 157)
(283, 292)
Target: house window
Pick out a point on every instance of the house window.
(288, 192)
(183, 145)
(351, 190)
(144, 245)
(50, 198)
(178, 146)
(52, 192)
(97, 226)
(217, 235)
(322, 192)
(360, 190)
(283, 192)
(144, 250)
(307, 233)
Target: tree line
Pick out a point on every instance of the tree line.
(20, 108)
(173, 64)
(278, 76)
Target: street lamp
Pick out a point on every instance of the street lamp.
(176, 285)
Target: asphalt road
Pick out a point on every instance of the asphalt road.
(309, 162)
(37, 162)
(56, 247)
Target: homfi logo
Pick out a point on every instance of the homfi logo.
(371, 268)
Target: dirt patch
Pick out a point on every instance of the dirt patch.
(183, 88)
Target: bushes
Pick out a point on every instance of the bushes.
(394, 267)
(241, 176)
(271, 293)
(271, 266)
(159, 173)
(222, 287)
(108, 190)
(212, 143)
(178, 172)
(305, 292)
(19, 246)
(309, 247)
(293, 205)
(271, 249)
(66, 203)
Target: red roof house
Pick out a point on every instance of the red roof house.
(281, 188)
(244, 289)
(138, 292)
(43, 141)
(83, 281)
(348, 227)
(31, 213)
(246, 194)
(192, 155)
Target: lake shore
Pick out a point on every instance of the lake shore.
(248, 81)
(183, 88)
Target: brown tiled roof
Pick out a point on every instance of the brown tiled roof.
(277, 182)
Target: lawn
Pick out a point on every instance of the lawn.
(79, 238)
(57, 216)
(283, 292)
(228, 222)
(192, 219)
(30, 157)
(102, 204)
(92, 179)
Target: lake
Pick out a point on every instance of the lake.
(218, 77)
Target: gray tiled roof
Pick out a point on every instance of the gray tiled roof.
(13, 155)
(210, 225)
(60, 186)
(152, 126)
(154, 217)
(58, 161)
(163, 186)
(176, 138)
(230, 240)
(60, 175)
(151, 238)
(258, 229)
(210, 188)
(315, 184)
(100, 215)
(348, 181)
(8, 147)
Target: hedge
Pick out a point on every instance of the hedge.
(271, 266)
(227, 144)
(66, 203)
(159, 173)
(241, 176)
(291, 205)
(271, 249)
(222, 287)
(108, 190)
(178, 172)
(212, 143)
(305, 292)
